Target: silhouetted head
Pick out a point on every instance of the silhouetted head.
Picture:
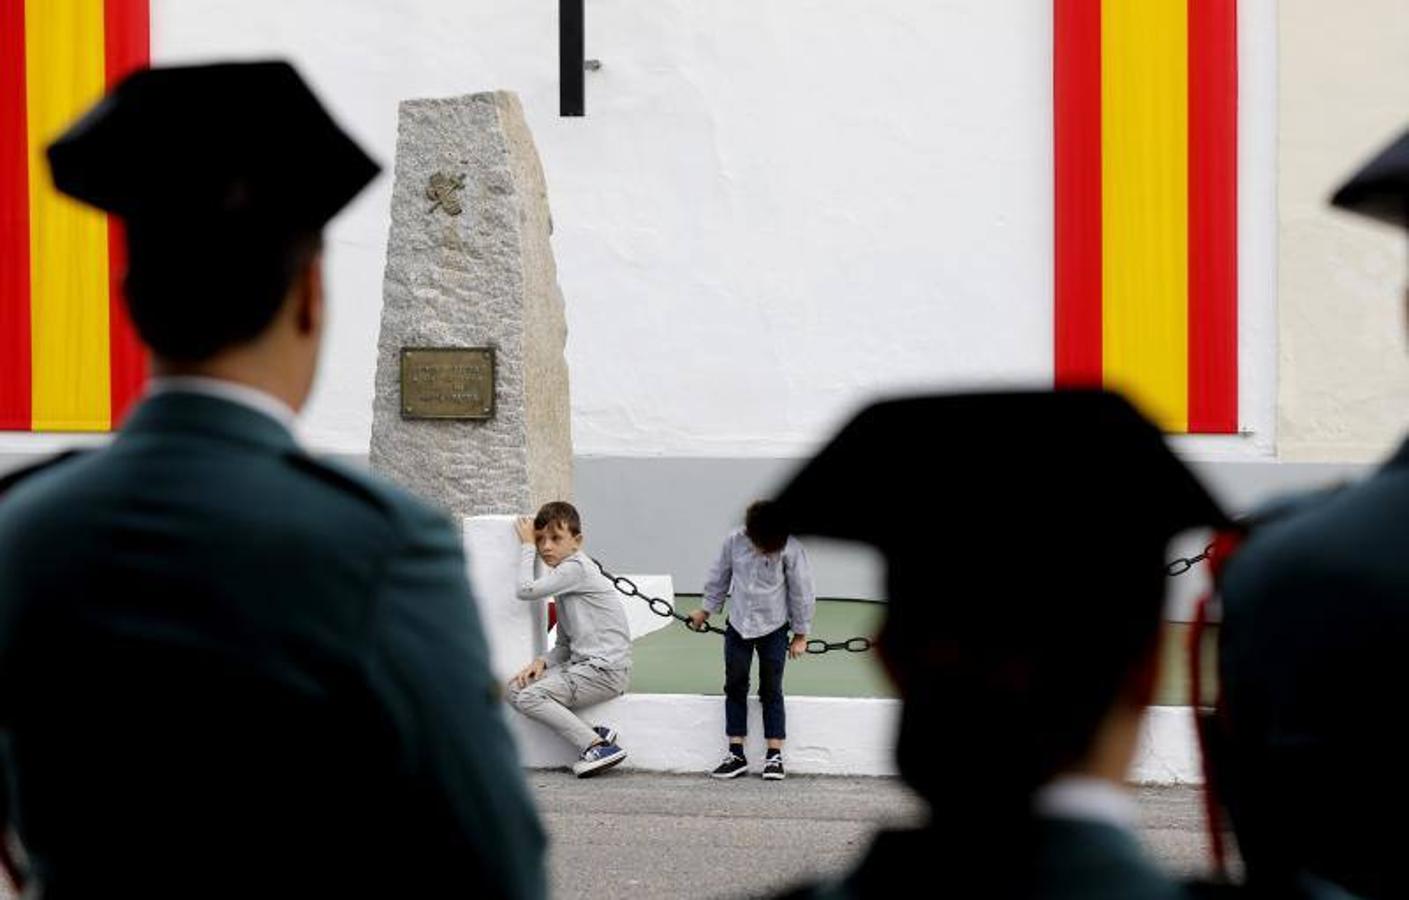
(1025, 601)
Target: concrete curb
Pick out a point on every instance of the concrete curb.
(826, 736)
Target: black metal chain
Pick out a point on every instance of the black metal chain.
(658, 605)
(1185, 563)
(816, 646)
(665, 610)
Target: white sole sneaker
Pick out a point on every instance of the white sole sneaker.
(727, 775)
(774, 776)
(587, 769)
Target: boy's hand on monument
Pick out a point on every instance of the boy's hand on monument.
(798, 646)
(697, 619)
(529, 673)
(524, 526)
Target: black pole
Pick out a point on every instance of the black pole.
(571, 58)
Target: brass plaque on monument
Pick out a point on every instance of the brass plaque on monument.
(447, 382)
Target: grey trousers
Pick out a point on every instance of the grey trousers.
(560, 690)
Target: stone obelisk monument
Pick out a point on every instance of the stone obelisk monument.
(471, 409)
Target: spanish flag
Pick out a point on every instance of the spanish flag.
(1146, 230)
(69, 359)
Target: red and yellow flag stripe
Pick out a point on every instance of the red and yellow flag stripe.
(1146, 215)
(69, 359)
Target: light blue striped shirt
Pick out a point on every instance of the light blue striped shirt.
(766, 590)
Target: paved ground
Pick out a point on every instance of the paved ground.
(630, 835)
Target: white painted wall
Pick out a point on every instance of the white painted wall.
(515, 630)
(771, 211)
(685, 733)
(1345, 93)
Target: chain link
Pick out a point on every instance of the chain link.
(855, 645)
(1185, 563)
(665, 610)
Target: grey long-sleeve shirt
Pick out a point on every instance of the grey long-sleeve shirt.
(766, 590)
(591, 622)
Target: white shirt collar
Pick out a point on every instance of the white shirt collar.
(1087, 799)
(249, 397)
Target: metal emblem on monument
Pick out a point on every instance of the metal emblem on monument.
(443, 189)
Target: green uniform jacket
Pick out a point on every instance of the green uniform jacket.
(1311, 659)
(227, 668)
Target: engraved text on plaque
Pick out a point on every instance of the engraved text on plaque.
(447, 382)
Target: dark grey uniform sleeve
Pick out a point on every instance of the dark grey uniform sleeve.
(432, 668)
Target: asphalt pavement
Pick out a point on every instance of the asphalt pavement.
(638, 835)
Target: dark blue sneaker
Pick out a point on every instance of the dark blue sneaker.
(773, 768)
(597, 758)
(606, 733)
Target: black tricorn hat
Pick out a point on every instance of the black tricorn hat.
(1066, 470)
(1380, 189)
(199, 144)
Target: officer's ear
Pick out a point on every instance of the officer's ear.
(308, 295)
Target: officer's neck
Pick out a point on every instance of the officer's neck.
(282, 359)
(1112, 750)
(282, 375)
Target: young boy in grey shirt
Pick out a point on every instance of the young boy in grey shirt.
(769, 582)
(591, 660)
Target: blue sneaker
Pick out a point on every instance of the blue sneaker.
(606, 733)
(597, 758)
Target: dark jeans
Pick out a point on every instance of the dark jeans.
(738, 658)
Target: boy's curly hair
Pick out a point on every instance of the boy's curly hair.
(764, 527)
(558, 512)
